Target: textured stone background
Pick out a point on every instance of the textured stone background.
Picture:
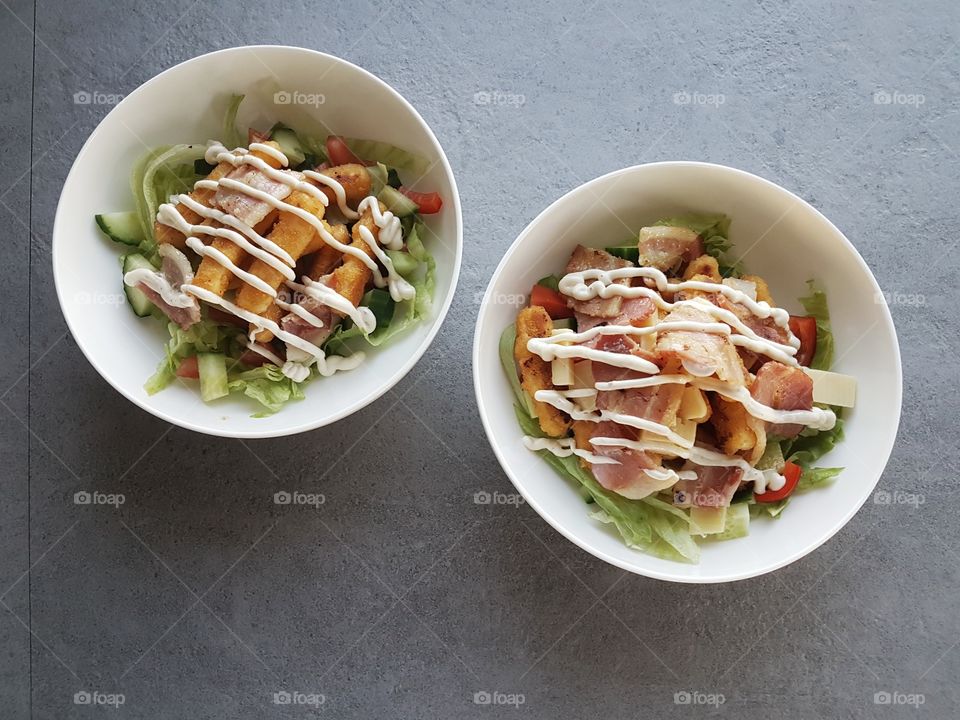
(401, 597)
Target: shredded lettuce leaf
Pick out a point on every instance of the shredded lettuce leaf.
(268, 386)
(205, 336)
(816, 477)
(714, 231)
(816, 305)
(231, 135)
(645, 525)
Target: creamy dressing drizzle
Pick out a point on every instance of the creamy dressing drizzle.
(564, 447)
(605, 285)
(592, 283)
(558, 399)
(763, 479)
(302, 352)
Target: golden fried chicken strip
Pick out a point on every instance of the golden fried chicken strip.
(326, 259)
(535, 374)
(211, 275)
(293, 234)
(355, 180)
(172, 236)
(706, 266)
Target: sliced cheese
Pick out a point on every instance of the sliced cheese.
(693, 405)
(832, 388)
(561, 370)
(583, 379)
(707, 520)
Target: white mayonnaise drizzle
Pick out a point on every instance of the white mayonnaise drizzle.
(593, 283)
(301, 353)
(565, 447)
(763, 479)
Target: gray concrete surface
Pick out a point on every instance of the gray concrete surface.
(402, 598)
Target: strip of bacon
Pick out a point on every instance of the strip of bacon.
(665, 247)
(714, 486)
(628, 478)
(784, 388)
(702, 354)
(584, 258)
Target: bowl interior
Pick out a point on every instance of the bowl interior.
(782, 239)
(304, 89)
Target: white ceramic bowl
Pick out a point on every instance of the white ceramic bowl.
(186, 104)
(786, 241)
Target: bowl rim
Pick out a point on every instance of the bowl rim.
(436, 321)
(889, 439)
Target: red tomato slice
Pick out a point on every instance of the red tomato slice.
(255, 136)
(805, 328)
(428, 203)
(339, 153)
(189, 368)
(792, 473)
(551, 301)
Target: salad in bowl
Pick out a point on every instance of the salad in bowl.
(667, 384)
(273, 257)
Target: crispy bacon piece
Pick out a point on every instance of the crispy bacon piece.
(665, 247)
(784, 388)
(714, 486)
(629, 478)
(658, 403)
(584, 258)
(246, 208)
(702, 354)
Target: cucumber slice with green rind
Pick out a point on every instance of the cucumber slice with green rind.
(213, 375)
(121, 227)
(289, 143)
(138, 300)
(396, 202)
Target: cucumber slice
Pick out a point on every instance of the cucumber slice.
(289, 143)
(396, 202)
(627, 252)
(378, 177)
(121, 227)
(403, 262)
(738, 522)
(550, 281)
(138, 300)
(213, 375)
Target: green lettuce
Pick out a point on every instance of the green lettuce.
(816, 477)
(203, 337)
(650, 525)
(231, 135)
(268, 386)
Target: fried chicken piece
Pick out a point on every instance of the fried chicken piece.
(535, 374)
(168, 235)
